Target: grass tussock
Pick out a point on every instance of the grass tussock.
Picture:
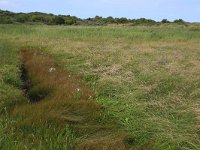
(60, 97)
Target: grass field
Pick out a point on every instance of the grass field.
(145, 78)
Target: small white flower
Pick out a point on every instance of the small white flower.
(78, 89)
(52, 69)
(69, 76)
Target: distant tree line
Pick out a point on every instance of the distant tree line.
(7, 17)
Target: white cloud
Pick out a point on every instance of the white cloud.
(6, 3)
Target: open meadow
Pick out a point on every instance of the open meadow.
(144, 82)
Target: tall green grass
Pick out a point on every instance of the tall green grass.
(102, 33)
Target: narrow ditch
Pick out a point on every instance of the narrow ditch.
(25, 80)
(33, 95)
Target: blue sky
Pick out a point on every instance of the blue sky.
(188, 10)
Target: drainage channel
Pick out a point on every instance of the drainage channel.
(25, 80)
(33, 94)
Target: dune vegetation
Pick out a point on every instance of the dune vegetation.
(118, 87)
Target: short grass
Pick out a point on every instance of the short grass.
(148, 78)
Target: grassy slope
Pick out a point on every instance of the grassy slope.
(148, 78)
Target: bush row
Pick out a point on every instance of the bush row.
(7, 17)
